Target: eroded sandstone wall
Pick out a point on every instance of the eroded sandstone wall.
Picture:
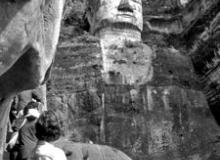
(167, 117)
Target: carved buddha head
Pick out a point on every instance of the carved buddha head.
(115, 13)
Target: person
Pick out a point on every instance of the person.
(12, 136)
(49, 128)
(13, 114)
(26, 135)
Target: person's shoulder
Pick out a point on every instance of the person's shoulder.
(59, 153)
(50, 150)
(27, 127)
(18, 124)
(58, 150)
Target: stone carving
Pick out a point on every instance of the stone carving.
(105, 13)
(29, 33)
(152, 103)
(118, 24)
(166, 117)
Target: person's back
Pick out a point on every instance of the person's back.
(27, 133)
(47, 151)
(49, 128)
(27, 140)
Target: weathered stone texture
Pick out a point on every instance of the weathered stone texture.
(78, 64)
(167, 118)
(205, 57)
(173, 68)
(79, 151)
(76, 82)
(29, 34)
(129, 64)
(164, 118)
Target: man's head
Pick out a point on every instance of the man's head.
(49, 126)
(118, 13)
(30, 105)
(31, 111)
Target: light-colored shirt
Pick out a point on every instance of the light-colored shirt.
(47, 151)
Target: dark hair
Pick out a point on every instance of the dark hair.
(30, 105)
(49, 126)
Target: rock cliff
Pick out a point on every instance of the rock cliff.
(168, 117)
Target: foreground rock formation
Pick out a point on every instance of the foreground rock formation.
(29, 32)
(141, 94)
(79, 151)
(38, 94)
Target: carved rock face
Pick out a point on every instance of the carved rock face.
(116, 11)
(118, 24)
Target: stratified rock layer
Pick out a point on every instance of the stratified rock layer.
(76, 83)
